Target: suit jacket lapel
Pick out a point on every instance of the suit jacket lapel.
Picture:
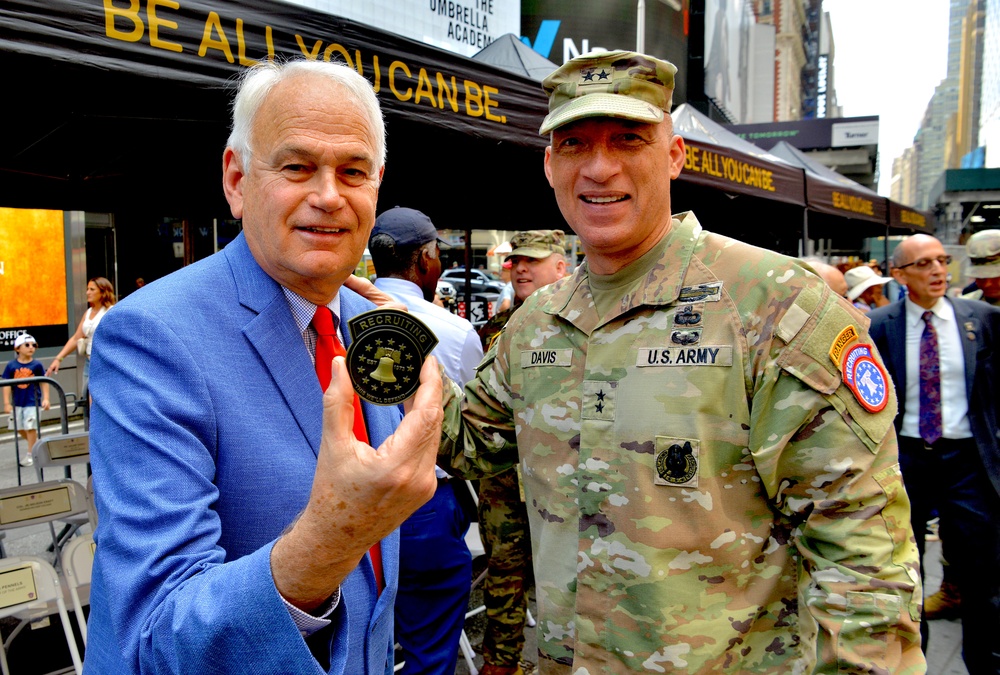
(967, 323)
(895, 330)
(271, 330)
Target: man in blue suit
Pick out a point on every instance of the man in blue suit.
(236, 505)
(943, 356)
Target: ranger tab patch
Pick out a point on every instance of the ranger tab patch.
(846, 337)
(865, 377)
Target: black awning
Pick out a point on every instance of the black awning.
(206, 42)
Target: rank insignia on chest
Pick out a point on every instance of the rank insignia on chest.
(598, 400)
(676, 462)
(865, 377)
(388, 347)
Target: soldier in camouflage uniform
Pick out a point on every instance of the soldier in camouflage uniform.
(983, 249)
(537, 260)
(703, 428)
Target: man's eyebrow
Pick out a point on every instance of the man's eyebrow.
(360, 157)
(288, 152)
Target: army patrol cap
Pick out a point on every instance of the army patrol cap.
(537, 244)
(627, 85)
(984, 254)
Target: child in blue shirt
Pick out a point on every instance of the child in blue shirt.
(26, 403)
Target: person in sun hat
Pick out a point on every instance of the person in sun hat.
(862, 284)
(703, 428)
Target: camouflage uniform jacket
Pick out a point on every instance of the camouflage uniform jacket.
(723, 506)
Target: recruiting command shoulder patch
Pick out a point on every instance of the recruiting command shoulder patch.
(865, 377)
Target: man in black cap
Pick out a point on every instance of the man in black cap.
(435, 566)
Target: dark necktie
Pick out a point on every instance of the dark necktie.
(328, 345)
(930, 383)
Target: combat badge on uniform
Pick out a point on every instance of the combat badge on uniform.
(865, 377)
(676, 462)
(388, 347)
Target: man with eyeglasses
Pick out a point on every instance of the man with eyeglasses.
(943, 358)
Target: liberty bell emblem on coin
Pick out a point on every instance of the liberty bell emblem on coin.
(387, 348)
(387, 358)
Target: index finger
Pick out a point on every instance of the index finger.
(370, 292)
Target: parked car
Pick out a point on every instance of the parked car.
(447, 294)
(481, 281)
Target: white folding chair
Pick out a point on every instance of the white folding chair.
(36, 503)
(61, 450)
(29, 588)
(77, 564)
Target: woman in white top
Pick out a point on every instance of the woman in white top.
(100, 298)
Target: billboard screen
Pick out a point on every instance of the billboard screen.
(32, 277)
(463, 27)
(560, 30)
(727, 55)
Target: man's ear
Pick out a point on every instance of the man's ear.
(424, 260)
(548, 169)
(677, 156)
(232, 181)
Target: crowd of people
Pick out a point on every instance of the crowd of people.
(705, 457)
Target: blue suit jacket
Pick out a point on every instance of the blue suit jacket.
(206, 426)
(979, 330)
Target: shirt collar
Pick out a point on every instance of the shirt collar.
(915, 313)
(303, 310)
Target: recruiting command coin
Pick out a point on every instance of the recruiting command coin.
(388, 347)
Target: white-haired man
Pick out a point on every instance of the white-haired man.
(243, 512)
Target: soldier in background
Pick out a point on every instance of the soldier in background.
(537, 259)
(703, 429)
(983, 249)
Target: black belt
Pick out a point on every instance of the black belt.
(910, 443)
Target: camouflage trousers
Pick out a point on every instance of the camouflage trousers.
(503, 524)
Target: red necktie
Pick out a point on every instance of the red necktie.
(328, 346)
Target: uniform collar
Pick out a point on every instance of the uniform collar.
(572, 299)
